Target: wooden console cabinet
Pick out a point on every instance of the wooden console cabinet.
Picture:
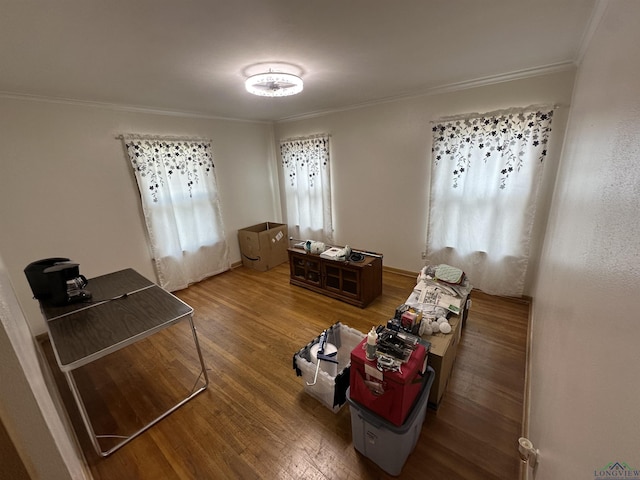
(357, 283)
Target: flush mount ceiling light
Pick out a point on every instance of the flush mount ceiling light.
(273, 84)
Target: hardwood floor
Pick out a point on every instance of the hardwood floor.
(256, 422)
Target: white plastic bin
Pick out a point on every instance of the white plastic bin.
(383, 442)
(329, 389)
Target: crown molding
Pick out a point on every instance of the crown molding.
(122, 108)
(448, 88)
(597, 13)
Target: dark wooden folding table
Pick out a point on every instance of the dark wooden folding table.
(125, 308)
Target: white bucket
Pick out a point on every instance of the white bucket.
(329, 367)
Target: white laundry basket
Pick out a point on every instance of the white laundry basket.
(329, 389)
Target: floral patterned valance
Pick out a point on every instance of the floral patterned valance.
(157, 160)
(307, 155)
(508, 138)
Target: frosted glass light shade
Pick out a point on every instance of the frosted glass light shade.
(273, 84)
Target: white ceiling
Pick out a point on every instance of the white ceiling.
(193, 55)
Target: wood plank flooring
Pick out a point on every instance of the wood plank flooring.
(256, 422)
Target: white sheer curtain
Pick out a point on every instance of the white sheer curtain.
(179, 195)
(305, 163)
(484, 182)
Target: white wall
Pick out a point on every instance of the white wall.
(585, 375)
(67, 189)
(380, 158)
(26, 407)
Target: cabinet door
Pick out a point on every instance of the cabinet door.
(342, 280)
(305, 269)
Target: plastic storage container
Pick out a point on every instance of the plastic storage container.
(381, 441)
(329, 389)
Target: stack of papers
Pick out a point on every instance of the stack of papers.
(332, 254)
(436, 295)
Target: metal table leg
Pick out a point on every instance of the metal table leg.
(126, 439)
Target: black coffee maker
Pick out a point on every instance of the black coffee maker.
(57, 281)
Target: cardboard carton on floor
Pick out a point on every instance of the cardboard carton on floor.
(441, 358)
(263, 246)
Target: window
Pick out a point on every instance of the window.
(307, 182)
(179, 195)
(484, 182)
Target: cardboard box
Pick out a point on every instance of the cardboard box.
(263, 246)
(441, 358)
